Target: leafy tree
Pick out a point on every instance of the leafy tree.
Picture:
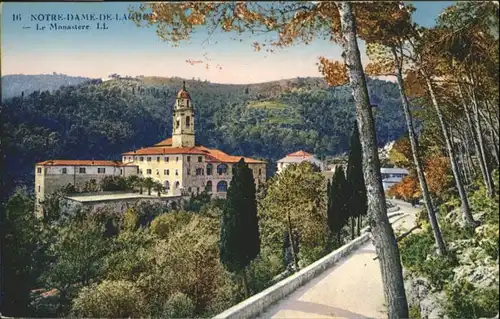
(338, 209)
(196, 201)
(357, 203)
(149, 183)
(239, 235)
(134, 181)
(295, 204)
(158, 187)
(110, 299)
(129, 255)
(77, 258)
(114, 183)
(20, 232)
(188, 262)
(179, 305)
(164, 225)
(386, 50)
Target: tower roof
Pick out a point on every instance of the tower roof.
(183, 93)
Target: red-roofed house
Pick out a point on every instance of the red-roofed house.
(298, 157)
(177, 162)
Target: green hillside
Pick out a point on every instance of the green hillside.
(267, 120)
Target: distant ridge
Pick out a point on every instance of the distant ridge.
(16, 84)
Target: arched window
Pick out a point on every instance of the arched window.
(188, 121)
(177, 184)
(166, 184)
(222, 186)
(221, 169)
(209, 169)
(208, 187)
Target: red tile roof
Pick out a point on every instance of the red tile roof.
(165, 150)
(80, 163)
(212, 155)
(300, 153)
(166, 142)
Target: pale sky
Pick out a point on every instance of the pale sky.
(127, 49)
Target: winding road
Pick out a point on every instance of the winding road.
(351, 289)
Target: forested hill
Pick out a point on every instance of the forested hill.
(103, 119)
(18, 84)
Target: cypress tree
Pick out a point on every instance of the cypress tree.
(337, 211)
(239, 235)
(358, 205)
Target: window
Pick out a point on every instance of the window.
(221, 169)
(189, 171)
(197, 190)
(121, 171)
(141, 158)
(199, 171)
(177, 158)
(148, 171)
(176, 171)
(177, 124)
(208, 187)
(200, 159)
(158, 159)
(81, 170)
(260, 171)
(209, 169)
(166, 159)
(188, 121)
(39, 188)
(166, 184)
(189, 189)
(101, 170)
(64, 170)
(157, 172)
(141, 172)
(166, 172)
(189, 158)
(148, 159)
(39, 170)
(177, 184)
(222, 186)
(138, 171)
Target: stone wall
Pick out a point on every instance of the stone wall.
(121, 205)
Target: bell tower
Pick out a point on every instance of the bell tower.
(183, 126)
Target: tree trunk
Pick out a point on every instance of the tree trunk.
(383, 234)
(438, 238)
(475, 111)
(474, 137)
(467, 215)
(245, 283)
(358, 224)
(493, 133)
(292, 245)
(470, 164)
(353, 227)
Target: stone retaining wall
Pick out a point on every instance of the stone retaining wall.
(258, 303)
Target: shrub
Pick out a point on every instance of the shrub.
(110, 299)
(164, 224)
(262, 270)
(415, 249)
(114, 183)
(464, 301)
(179, 305)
